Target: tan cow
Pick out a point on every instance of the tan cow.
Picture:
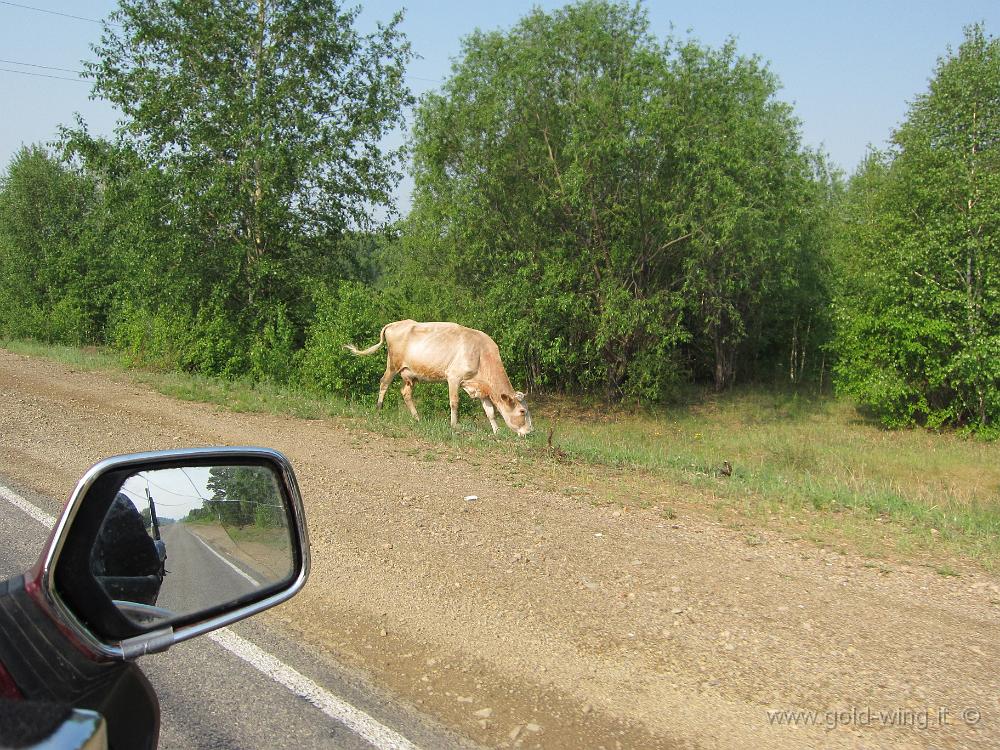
(464, 357)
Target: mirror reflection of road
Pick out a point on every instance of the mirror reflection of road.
(199, 577)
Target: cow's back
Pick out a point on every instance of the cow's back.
(434, 350)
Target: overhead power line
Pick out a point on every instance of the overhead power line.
(95, 20)
(44, 67)
(67, 70)
(51, 12)
(43, 75)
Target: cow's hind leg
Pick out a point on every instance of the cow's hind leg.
(491, 414)
(385, 382)
(407, 391)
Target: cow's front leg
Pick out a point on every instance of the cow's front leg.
(453, 402)
(491, 414)
(407, 391)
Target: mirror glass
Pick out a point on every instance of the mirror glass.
(183, 540)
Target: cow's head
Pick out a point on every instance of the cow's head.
(514, 410)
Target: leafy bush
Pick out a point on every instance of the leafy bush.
(69, 322)
(217, 344)
(273, 354)
(346, 313)
(147, 338)
(207, 341)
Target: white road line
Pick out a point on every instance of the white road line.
(250, 578)
(369, 729)
(358, 721)
(19, 502)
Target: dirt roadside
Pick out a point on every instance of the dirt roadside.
(531, 617)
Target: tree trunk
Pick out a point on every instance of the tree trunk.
(724, 362)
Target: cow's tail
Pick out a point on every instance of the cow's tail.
(371, 349)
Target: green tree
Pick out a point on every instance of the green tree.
(51, 270)
(608, 206)
(244, 495)
(251, 136)
(918, 309)
(753, 204)
(534, 192)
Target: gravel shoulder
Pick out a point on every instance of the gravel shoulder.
(532, 617)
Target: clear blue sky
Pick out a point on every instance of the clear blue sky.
(850, 68)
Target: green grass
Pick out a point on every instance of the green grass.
(87, 358)
(271, 537)
(946, 570)
(792, 455)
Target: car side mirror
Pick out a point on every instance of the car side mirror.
(156, 548)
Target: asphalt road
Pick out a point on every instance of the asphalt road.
(198, 577)
(210, 698)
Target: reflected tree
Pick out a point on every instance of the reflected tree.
(243, 496)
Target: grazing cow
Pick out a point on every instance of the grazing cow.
(464, 357)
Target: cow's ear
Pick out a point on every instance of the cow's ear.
(505, 397)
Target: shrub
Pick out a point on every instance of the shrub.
(349, 312)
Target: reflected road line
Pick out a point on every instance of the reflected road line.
(249, 577)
